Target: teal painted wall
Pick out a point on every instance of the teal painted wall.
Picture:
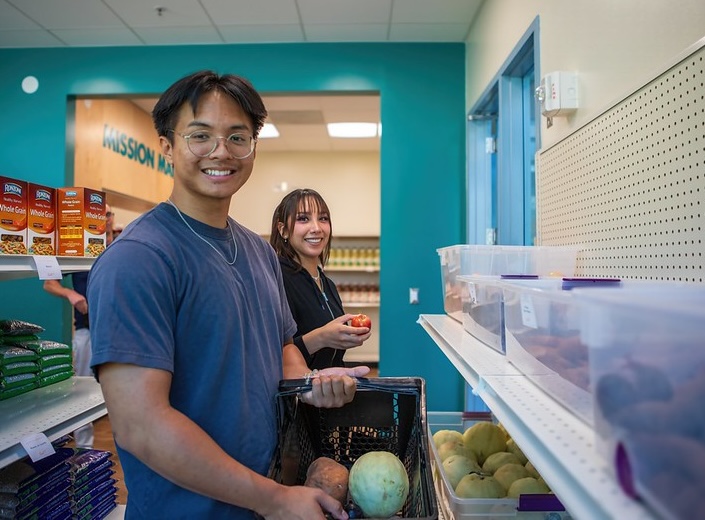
(421, 89)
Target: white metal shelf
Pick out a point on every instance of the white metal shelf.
(23, 266)
(352, 269)
(55, 410)
(361, 305)
(559, 444)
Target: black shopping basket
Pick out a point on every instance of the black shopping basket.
(386, 414)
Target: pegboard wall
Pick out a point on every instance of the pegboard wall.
(628, 187)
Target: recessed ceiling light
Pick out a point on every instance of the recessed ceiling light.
(268, 131)
(352, 129)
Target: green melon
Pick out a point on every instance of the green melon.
(378, 484)
(484, 438)
(442, 436)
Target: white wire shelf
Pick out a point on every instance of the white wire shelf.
(54, 410)
(23, 266)
(559, 444)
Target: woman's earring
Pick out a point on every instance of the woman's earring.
(286, 240)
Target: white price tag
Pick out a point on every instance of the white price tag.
(37, 446)
(473, 293)
(528, 316)
(47, 267)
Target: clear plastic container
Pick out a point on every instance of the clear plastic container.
(647, 371)
(456, 508)
(481, 299)
(485, 260)
(459, 260)
(542, 339)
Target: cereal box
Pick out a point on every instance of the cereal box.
(41, 219)
(81, 221)
(13, 217)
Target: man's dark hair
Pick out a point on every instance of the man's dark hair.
(193, 87)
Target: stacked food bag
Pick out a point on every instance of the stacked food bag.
(93, 491)
(72, 483)
(28, 362)
(18, 371)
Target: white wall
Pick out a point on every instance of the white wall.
(614, 45)
(348, 181)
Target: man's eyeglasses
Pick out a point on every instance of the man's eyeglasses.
(202, 143)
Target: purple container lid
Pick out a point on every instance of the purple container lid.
(540, 502)
(625, 476)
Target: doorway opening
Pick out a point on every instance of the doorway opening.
(503, 138)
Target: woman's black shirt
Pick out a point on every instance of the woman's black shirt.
(312, 308)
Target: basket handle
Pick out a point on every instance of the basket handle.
(385, 384)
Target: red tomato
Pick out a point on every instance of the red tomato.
(361, 320)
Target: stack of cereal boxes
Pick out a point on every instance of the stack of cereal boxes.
(80, 215)
(39, 220)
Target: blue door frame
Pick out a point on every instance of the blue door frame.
(501, 185)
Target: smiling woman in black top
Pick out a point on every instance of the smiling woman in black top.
(301, 234)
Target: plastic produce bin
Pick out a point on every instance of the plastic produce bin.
(647, 370)
(482, 309)
(527, 507)
(459, 260)
(486, 260)
(386, 414)
(542, 339)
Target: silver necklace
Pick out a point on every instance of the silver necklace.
(232, 234)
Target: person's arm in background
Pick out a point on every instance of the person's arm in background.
(77, 300)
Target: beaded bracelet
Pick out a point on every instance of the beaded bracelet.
(310, 375)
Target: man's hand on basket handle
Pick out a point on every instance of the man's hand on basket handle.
(333, 387)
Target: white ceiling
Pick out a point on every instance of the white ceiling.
(81, 23)
(96, 23)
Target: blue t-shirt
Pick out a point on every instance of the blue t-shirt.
(162, 298)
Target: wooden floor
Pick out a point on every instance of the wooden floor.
(104, 441)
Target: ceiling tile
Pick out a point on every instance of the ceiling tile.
(29, 39)
(12, 18)
(346, 32)
(359, 102)
(285, 102)
(71, 14)
(261, 33)
(97, 37)
(178, 35)
(303, 132)
(236, 21)
(335, 11)
(295, 116)
(355, 145)
(341, 115)
(438, 11)
(240, 12)
(176, 13)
